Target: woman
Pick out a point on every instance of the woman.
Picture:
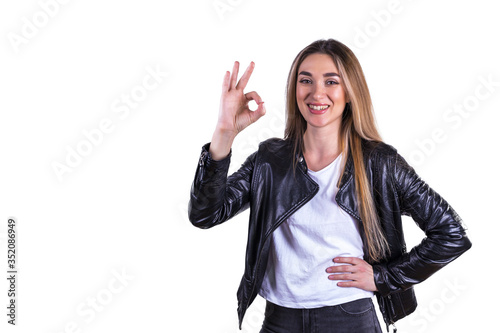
(325, 231)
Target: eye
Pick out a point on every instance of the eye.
(305, 81)
(331, 82)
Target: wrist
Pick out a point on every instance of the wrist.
(221, 143)
(226, 134)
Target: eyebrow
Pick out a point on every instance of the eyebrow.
(324, 75)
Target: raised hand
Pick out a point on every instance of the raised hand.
(234, 114)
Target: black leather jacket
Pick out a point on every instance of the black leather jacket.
(267, 184)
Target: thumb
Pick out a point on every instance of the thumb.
(261, 109)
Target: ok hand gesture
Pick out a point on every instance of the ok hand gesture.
(234, 114)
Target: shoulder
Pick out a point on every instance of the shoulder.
(275, 151)
(385, 159)
(379, 152)
(378, 148)
(380, 155)
(275, 146)
(273, 143)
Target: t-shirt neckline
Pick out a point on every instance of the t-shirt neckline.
(326, 168)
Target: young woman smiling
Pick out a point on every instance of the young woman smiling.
(325, 231)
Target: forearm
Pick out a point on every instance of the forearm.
(215, 197)
(445, 239)
(221, 143)
(208, 189)
(420, 263)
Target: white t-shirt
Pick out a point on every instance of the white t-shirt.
(304, 245)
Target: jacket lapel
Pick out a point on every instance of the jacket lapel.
(346, 195)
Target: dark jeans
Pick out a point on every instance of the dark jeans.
(357, 316)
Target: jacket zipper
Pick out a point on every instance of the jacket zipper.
(391, 322)
(276, 226)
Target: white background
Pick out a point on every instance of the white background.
(122, 209)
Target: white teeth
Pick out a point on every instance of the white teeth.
(317, 107)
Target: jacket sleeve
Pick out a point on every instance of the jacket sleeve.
(445, 237)
(215, 197)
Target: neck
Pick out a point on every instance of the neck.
(321, 143)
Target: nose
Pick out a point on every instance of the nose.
(318, 91)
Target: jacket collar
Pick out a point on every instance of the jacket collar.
(346, 195)
(349, 167)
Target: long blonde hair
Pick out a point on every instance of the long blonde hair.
(358, 123)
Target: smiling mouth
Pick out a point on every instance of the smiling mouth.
(318, 107)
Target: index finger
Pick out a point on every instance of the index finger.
(246, 76)
(347, 260)
(234, 75)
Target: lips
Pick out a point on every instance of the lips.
(317, 108)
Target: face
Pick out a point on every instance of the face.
(320, 96)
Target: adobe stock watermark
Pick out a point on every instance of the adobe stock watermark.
(453, 118)
(31, 26)
(222, 7)
(122, 107)
(90, 308)
(381, 19)
(3, 238)
(429, 313)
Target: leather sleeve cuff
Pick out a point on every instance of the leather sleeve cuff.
(380, 279)
(212, 166)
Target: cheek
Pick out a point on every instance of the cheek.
(338, 95)
(299, 95)
(301, 92)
